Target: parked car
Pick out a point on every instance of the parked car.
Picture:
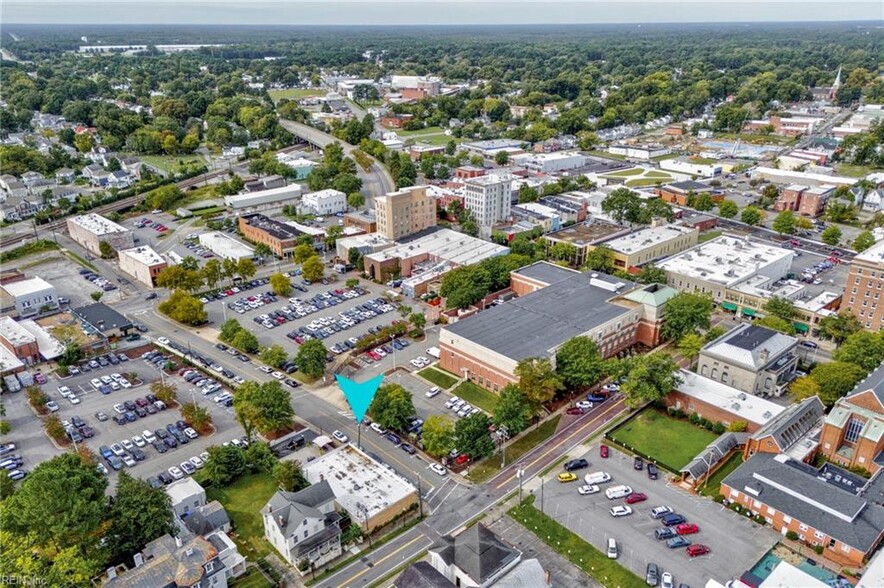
(677, 541)
(652, 471)
(638, 463)
(697, 549)
(587, 489)
(635, 497)
(341, 437)
(664, 533)
(660, 511)
(567, 477)
(687, 529)
(621, 511)
(603, 450)
(672, 519)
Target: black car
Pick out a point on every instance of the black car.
(161, 433)
(77, 421)
(160, 446)
(129, 404)
(576, 464)
(652, 471)
(140, 411)
(170, 442)
(119, 419)
(87, 432)
(638, 463)
(154, 482)
(137, 454)
(407, 449)
(165, 478)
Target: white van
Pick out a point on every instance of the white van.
(613, 551)
(620, 491)
(597, 477)
(434, 352)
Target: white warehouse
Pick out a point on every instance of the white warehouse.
(273, 198)
(325, 202)
(550, 162)
(225, 247)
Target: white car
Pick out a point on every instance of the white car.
(106, 380)
(117, 449)
(378, 429)
(73, 399)
(65, 391)
(584, 404)
(588, 489)
(164, 341)
(125, 383)
(451, 401)
(148, 436)
(439, 469)
(278, 375)
(191, 433)
(196, 462)
(176, 473)
(139, 441)
(96, 383)
(621, 511)
(666, 580)
(128, 460)
(127, 444)
(660, 511)
(340, 437)
(433, 392)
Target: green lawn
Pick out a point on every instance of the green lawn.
(435, 139)
(485, 469)
(417, 133)
(478, 397)
(709, 235)
(641, 182)
(170, 163)
(657, 174)
(575, 549)
(672, 442)
(713, 486)
(441, 379)
(251, 579)
(854, 171)
(295, 93)
(634, 171)
(607, 155)
(243, 501)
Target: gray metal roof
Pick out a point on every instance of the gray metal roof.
(289, 509)
(874, 382)
(711, 455)
(795, 489)
(545, 272)
(421, 575)
(792, 424)
(207, 518)
(750, 346)
(534, 324)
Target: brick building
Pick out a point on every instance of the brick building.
(466, 172)
(790, 198)
(794, 431)
(19, 341)
(679, 192)
(853, 432)
(363, 220)
(279, 237)
(862, 291)
(814, 200)
(90, 230)
(142, 263)
(396, 121)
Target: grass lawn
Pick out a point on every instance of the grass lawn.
(485, 469)
(712, 487)
(574, 548)
(641, 182)
(295, 93)
(423, 131)
(709, 235)
(243, 501)
(441, 379)
(657, 174)
(478, 397)
(854, 171)
(635, 171)
(607, 155)
(251, 579)
(672, 442)
(169, 163)
(435, 139)
(702, 160)
(662, 157)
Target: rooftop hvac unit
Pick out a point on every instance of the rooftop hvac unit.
(767, 414)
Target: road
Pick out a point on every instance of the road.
(375, 182)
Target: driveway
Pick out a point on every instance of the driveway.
(736, 543)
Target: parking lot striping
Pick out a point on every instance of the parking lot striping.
(618, 404)
(347, 582)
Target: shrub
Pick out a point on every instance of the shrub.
(818, 549)
(694, 419)
(705, 423)
(792, 536)
(736, 507)
(719, 498)
(718, 428)
(738, 426)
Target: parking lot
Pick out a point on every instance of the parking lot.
(829, 275)
(735, 543)
(58, 270)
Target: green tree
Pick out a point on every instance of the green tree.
(784, 223)
(651, 378)
(863, 241)
(751, 216)
(600, 259)
(537, 380)
(864, 348)
(728, 209)
(178, 277)
(264, 407)
(106, 250)
(66, 494)
(311, 358)
(356, 200)
(96, 296)
(167, 393)
(139, 514)
(780, 307)
(302, 253)
(686, 313)
(804, 387)
(263, 250)
(391, 407)
(229, 329)
(579, 363)
(471, 436)
(831, 236)
(464, 286)
(835, 379)
(528, 194)
(274, 356)
(651, 274)
(403, 310)
(313, 269)
(438, 435)
(259, 457)
(418, 320)
(211, 273)
(513, 411)
(245, 341)
(777, 324)
(501, 158)
(225, 464)
(839, 326)
(281, 284)
(246, 269)
(289, 476)
(196, 416)
(184, 308)
(689, 346)
(713, 334)
(621, 204)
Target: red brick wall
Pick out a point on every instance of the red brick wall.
(710, 411)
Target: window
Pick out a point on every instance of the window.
(802, 527)
(771, 511)
(845, 548)
(787, 519)
(818, 535)
(854, 428)
(209, 567)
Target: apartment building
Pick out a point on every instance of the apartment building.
(324, 202)
(853, 432)
(303, 525)
(862, 292)
(279, 237)
(488, 198)
(89, 230)
(142, 263)
(404, 212)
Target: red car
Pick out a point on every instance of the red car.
(603, 450)
(462, 459)
(696, 549)
(686, 528)
(574, 410)
(635, 497)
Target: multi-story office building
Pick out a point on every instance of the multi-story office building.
(89, 230)
(862, 292)
(404, 212)
(488, 198)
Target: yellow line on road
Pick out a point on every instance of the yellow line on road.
(383, 559)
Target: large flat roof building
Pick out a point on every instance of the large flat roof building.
(650, 244)
(585, 236)
(265, 199)
(559, 304)
(225, 246)
(142, 263)
(278, 236)
(89, 230)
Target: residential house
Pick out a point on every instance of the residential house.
(303, 526)
(874, 201)
(97, 175)
(186, 496)
(119, 179)
(208, 518)
(170, 562)
(753, 359)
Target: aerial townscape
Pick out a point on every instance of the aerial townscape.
(441, 294)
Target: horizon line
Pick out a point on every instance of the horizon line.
(441, 25)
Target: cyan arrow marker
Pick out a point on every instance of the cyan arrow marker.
(359, 394)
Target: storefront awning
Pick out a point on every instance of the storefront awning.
(801, 327)
(729, 306)
(748, 312)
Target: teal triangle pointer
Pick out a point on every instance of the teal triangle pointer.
(359, 394)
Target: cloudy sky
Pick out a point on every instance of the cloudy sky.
(430, 12)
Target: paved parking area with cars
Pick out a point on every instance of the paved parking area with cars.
(69, 282)
(819, 273)
(735, 543)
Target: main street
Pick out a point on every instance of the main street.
(377, 181)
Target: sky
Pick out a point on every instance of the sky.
(430, 12)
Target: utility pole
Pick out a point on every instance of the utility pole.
(420, 497)
(520, 473)
(541, 495)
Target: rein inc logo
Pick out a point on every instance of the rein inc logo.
(359, 394)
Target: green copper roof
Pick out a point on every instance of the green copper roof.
(653, 295)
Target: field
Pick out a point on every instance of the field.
(854, 171)
(713, 485)
(634, 171)
(638, 177)
(670, 441)
(709, 235)
(243, 501)
(478, 397)
(424, 131)
(171, 163)
(491, 465)
(642, 182)
(251, 579)
(295, 93)
(441, 379)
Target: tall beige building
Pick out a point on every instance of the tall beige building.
(405, 212)
(862, 292)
